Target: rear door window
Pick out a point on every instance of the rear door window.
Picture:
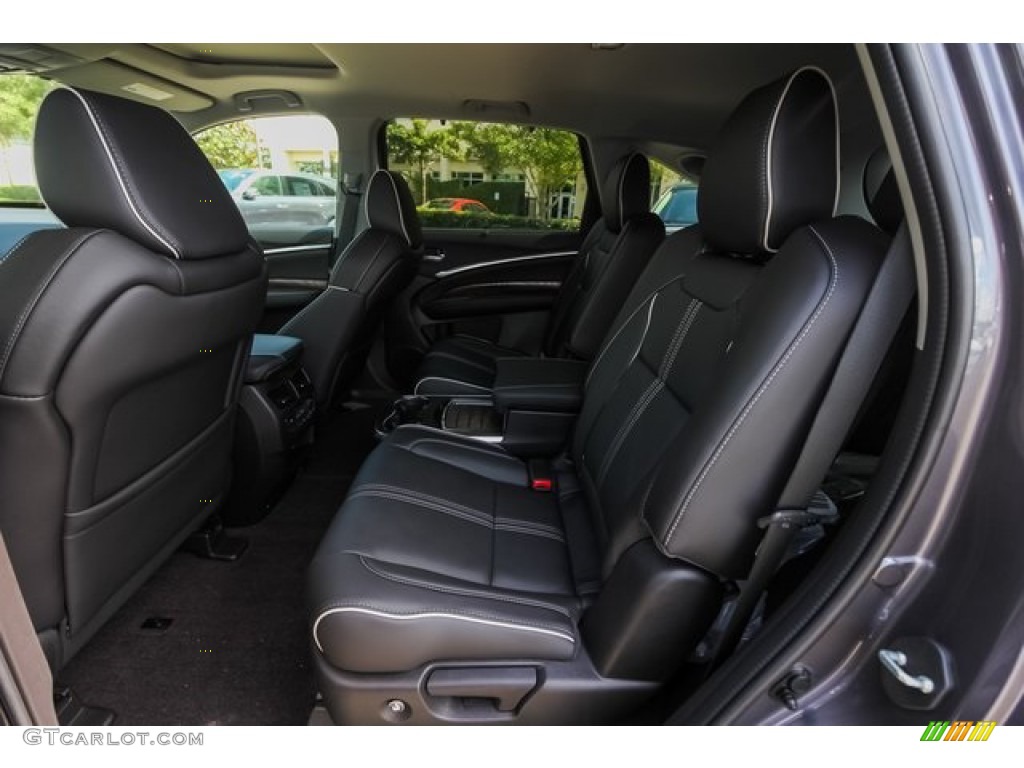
(471, 175)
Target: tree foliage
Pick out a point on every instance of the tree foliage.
(550, 159)
(230, 145)
(20, 96)
(415, 143)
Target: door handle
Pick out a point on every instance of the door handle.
(433, 254)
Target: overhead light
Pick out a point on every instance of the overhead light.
(606, 46)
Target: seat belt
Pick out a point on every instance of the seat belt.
(24, 674)
(873, 334)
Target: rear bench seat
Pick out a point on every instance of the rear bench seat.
(446, 590)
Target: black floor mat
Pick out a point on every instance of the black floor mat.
(237, 649)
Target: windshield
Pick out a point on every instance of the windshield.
(232, 177)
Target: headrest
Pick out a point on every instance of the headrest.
(881, 193)
(389, 206)
(774, 166)
(117, 164)
(627, 191)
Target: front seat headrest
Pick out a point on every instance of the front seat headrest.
(881, 192)
(627, 191)
(774, 166)
(389, 206)
(110, 163)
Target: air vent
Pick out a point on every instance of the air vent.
(303, 385)
(283, 395)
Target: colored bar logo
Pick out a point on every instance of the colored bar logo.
(961, 730)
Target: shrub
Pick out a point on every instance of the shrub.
(456, 220)
(20, 193)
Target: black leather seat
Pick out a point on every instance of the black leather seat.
(612, 256)
(124, 338)
(447, 585)
(338, 326)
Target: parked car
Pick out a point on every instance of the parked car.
(456, 204)
(283, 209)
(677, 206)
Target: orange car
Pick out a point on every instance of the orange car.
(457, 204)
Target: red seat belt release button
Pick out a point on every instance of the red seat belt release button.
(543, 484)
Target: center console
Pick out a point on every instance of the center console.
(274, 427)
(531, 412)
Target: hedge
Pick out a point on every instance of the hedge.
(20, 193)
(456, 220)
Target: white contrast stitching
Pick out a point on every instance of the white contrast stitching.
(31, 305)
(430, 614)
(833, 281)
(410, 581)
(653, 390)
(117, 174)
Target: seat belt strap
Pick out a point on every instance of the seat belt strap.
(24, 674)
(873, 334)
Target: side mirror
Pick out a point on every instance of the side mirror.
(250, 194)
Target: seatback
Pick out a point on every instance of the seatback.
(123, 342)
(698, 404)
(612, 256)
(338, 326)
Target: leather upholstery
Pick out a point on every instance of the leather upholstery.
(753, 193)
(120, 367)
(390, 207)
(539, 384)
(626, 192)
(337, 327)
(881, 192)
(133, 170)
(611, 258)
(694, 411)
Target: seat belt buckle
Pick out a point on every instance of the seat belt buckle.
(541, 479)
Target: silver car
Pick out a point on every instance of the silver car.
(284, 208)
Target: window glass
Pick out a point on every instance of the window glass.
(270, 157)
(673, 197)
(489, 175)
(21, 207)
(266, 185)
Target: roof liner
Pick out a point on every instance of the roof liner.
(678, 93)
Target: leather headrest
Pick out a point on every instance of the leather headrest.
(774, 167)
(627, 191)
(111, 163)
(389, 206)
(881, 193)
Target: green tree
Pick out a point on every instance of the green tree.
(549, 158)
(20, 96)
(230, 145)
(415, 143)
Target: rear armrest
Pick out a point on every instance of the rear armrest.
(539, 384)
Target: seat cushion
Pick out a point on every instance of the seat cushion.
(460, 366)
(442, 551)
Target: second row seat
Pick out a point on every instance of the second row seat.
(612, 256)
(447, 590)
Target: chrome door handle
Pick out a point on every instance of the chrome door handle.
(434, 254)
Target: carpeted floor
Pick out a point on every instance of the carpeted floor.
(236, 652)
